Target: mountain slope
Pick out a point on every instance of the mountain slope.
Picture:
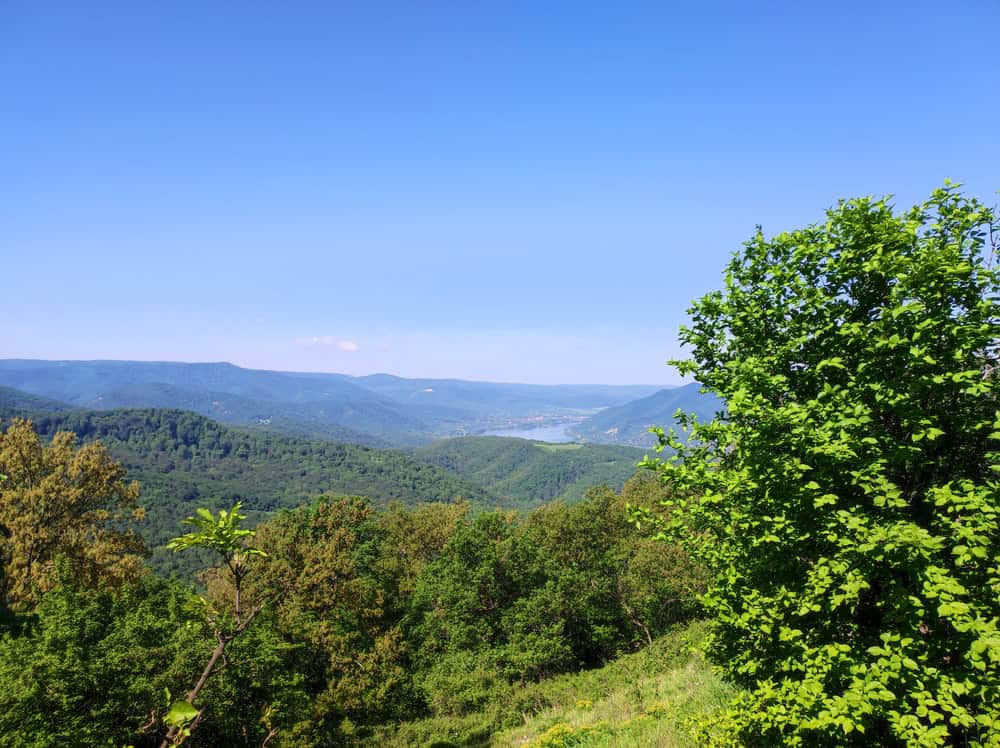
(653, 697)
(326, 406)
(530, 473)
(329, 419)
(15, 401)
(183, 461)
(628, 423)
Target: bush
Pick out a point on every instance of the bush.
(462, 682)
(90, 666)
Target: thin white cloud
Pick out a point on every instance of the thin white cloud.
(314, 341)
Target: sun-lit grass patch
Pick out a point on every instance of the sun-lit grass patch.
(644, 699)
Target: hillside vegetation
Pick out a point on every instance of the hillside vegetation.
(15, 402)
(531, 473)
(183, 461)
(339, 622)
(654, 697)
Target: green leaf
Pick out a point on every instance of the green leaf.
(180, 714)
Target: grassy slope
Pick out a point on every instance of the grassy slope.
(531, 473)
(641, 699)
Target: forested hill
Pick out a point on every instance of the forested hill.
(183, 461)
(629, 423)
(529, 473)
(15, 401)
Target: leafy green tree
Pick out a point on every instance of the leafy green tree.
(93, 667)
(325, 559)
(460, 597)
(509, 601)
(62, 501)
(412, 538)
(658, 584)
(847, 499)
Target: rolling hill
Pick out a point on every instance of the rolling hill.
(183, 460)
(14, 401)
(629, 423)
(530, 473)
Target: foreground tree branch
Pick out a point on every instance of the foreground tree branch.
(224, 536)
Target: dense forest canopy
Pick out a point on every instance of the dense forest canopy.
(183, 461)
(528, 473)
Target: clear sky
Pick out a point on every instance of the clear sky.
(508, 191)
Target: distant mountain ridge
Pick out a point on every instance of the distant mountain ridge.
(492, 397)
(629, 423)
(376, 410)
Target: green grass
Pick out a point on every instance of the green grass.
(641, 699)
(649, 711)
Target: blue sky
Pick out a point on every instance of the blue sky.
(508, 191)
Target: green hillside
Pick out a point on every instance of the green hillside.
(629, 423)
(530, 473)
(183, 461)
(643, 699)
(16, 401)
(309, 420)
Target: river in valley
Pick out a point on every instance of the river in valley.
(557, 433)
